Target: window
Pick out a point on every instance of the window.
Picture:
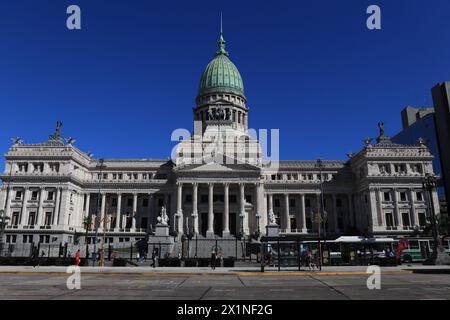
(387, 196)
(188, 198)
(15, 219)
(405, 218)
(160, 202)
(145, 202)
(129, 202)
(233, 198)
(114, 202)
(32, 219)
(400, 168)
(384, 168)
(144, 176)
(403, 196)
(419, 196)
(48, 218)
(274, 177)
(416, 168)
(204, 198)
(114, 176)
(389, 220)
(135, 176)
(422, 219)
(18, 195)
(50, 196)
(34, 195)
(23, 167)
(27, 238)
(120, 176)
(38, 167)
(54, 167)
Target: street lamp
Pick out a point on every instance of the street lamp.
(97, 218)
(258, 231)
(429, 183)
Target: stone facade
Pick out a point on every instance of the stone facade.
(50, 190)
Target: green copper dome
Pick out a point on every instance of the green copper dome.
(221, 75)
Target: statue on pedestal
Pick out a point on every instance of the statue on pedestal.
(163, 218)
(272, 220)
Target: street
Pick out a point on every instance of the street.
(242, 286)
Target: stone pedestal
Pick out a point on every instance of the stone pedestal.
(162, 230)
(161, 240)
(273, 230)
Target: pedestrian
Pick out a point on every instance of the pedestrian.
(77, 258)
(35, 257)
(213, 260)
(154, 252)
(137, 257)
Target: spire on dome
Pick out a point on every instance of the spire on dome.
(221, 43)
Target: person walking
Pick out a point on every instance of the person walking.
(153, 258)
(213, 260)
(77, 258)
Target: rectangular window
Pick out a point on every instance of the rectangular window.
(204, 198)
(50, 196)
(188, 198)
(129, 202)
(405, 218)
(387, 196)
(32, 219)
(145, 202)
(18, 195)
(403, 196)
(419, 196)
(389, 220)
(114, 202)
(34, 195)
(48, 218)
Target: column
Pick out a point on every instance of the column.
(118, 212)
(350, 210)
(287, 218)
(195, 207)
(24, 207)
(270, 203)
(179, 214)
(319, 210)
(134, 213)
(102, 212)
(242, 215)
(210, 231)
(57, 205)
(397, 216)
(414, 216)
(382, 218)
(303, 213)
(335, 214)
(9, 196)
(88, 204)
(259, 198)
(40, 212)
(226, 211)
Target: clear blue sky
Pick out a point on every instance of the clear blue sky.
(130, 76)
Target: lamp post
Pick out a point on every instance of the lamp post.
(97, 218)
(429, 183)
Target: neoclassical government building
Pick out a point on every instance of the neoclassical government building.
(217, 184)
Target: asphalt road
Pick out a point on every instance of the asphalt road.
(225, 287)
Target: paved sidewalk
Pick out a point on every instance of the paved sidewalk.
(219, 271)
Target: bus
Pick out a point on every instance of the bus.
(420, 249)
